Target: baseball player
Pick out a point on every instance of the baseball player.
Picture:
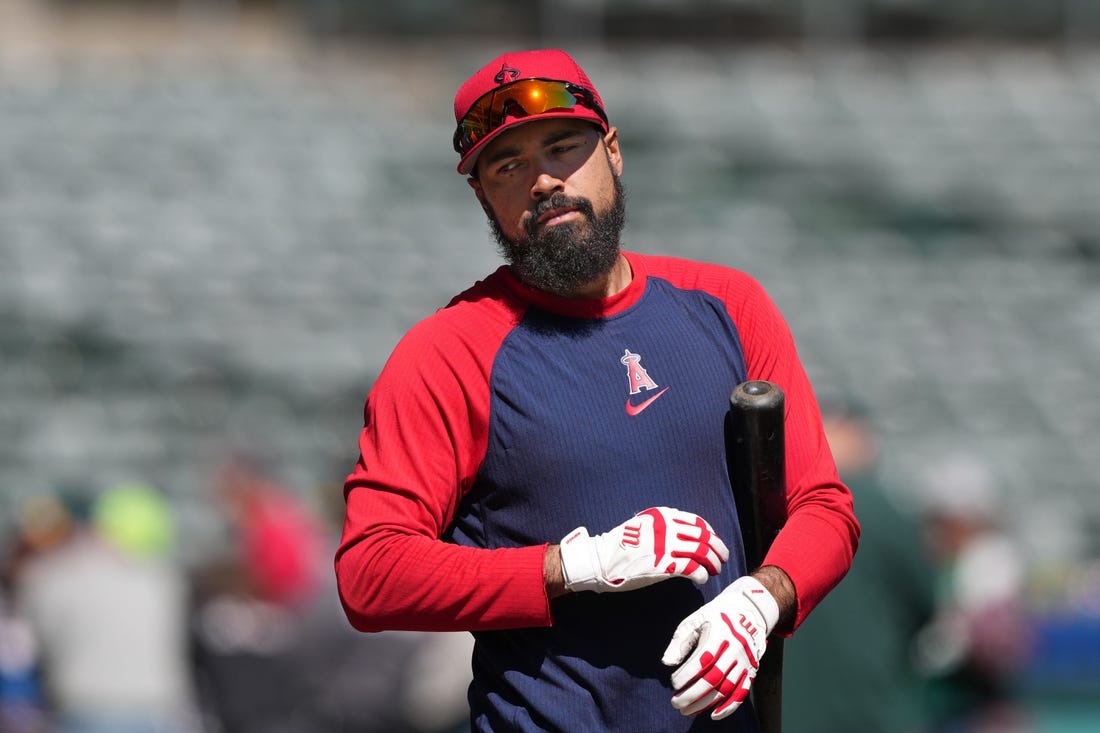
(542, 461)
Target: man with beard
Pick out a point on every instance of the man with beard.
(543, 463)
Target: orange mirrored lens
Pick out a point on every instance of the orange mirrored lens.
(526, 97)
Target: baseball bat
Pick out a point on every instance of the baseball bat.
(755, 455)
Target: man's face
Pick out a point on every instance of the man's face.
(552, 191)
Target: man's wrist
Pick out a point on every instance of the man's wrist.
(552, 574)
(782, 589)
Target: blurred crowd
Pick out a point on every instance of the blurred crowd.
(104, 630)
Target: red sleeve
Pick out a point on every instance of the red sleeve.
(424, 438)
(817, 543)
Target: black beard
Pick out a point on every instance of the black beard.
(562, 258)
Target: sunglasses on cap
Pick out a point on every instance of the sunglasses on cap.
(521, 98)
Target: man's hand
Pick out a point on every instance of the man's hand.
(725, 640)
(653, 545)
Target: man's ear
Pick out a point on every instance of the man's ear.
(611, 142)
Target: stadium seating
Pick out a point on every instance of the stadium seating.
(201, 252)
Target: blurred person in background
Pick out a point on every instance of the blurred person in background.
(43, 523)
(108, 609)
(275, 535)
(835, 682)
(249, 599)
(273, 651)
(977, 645)
(22, 707)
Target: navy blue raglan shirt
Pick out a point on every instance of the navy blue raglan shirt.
(511, 417)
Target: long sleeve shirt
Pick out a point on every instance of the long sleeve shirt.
(510, 417)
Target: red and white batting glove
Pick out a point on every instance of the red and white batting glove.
(725, 640)
(651, 546)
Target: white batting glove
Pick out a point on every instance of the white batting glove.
(725, 639)
(653, 545)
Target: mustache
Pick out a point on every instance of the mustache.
(559, 201)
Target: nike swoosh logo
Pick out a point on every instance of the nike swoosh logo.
(632, 409)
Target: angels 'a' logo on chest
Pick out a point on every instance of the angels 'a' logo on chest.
(639, 381)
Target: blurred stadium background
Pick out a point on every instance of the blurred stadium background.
(217, 218)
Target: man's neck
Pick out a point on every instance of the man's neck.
(613, 282)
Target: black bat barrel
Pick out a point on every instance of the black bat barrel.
(755, 455)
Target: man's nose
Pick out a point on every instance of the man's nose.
(546, 184)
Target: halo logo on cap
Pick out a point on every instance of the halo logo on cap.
(506, 75)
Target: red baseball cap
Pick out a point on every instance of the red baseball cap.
(544, 64)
